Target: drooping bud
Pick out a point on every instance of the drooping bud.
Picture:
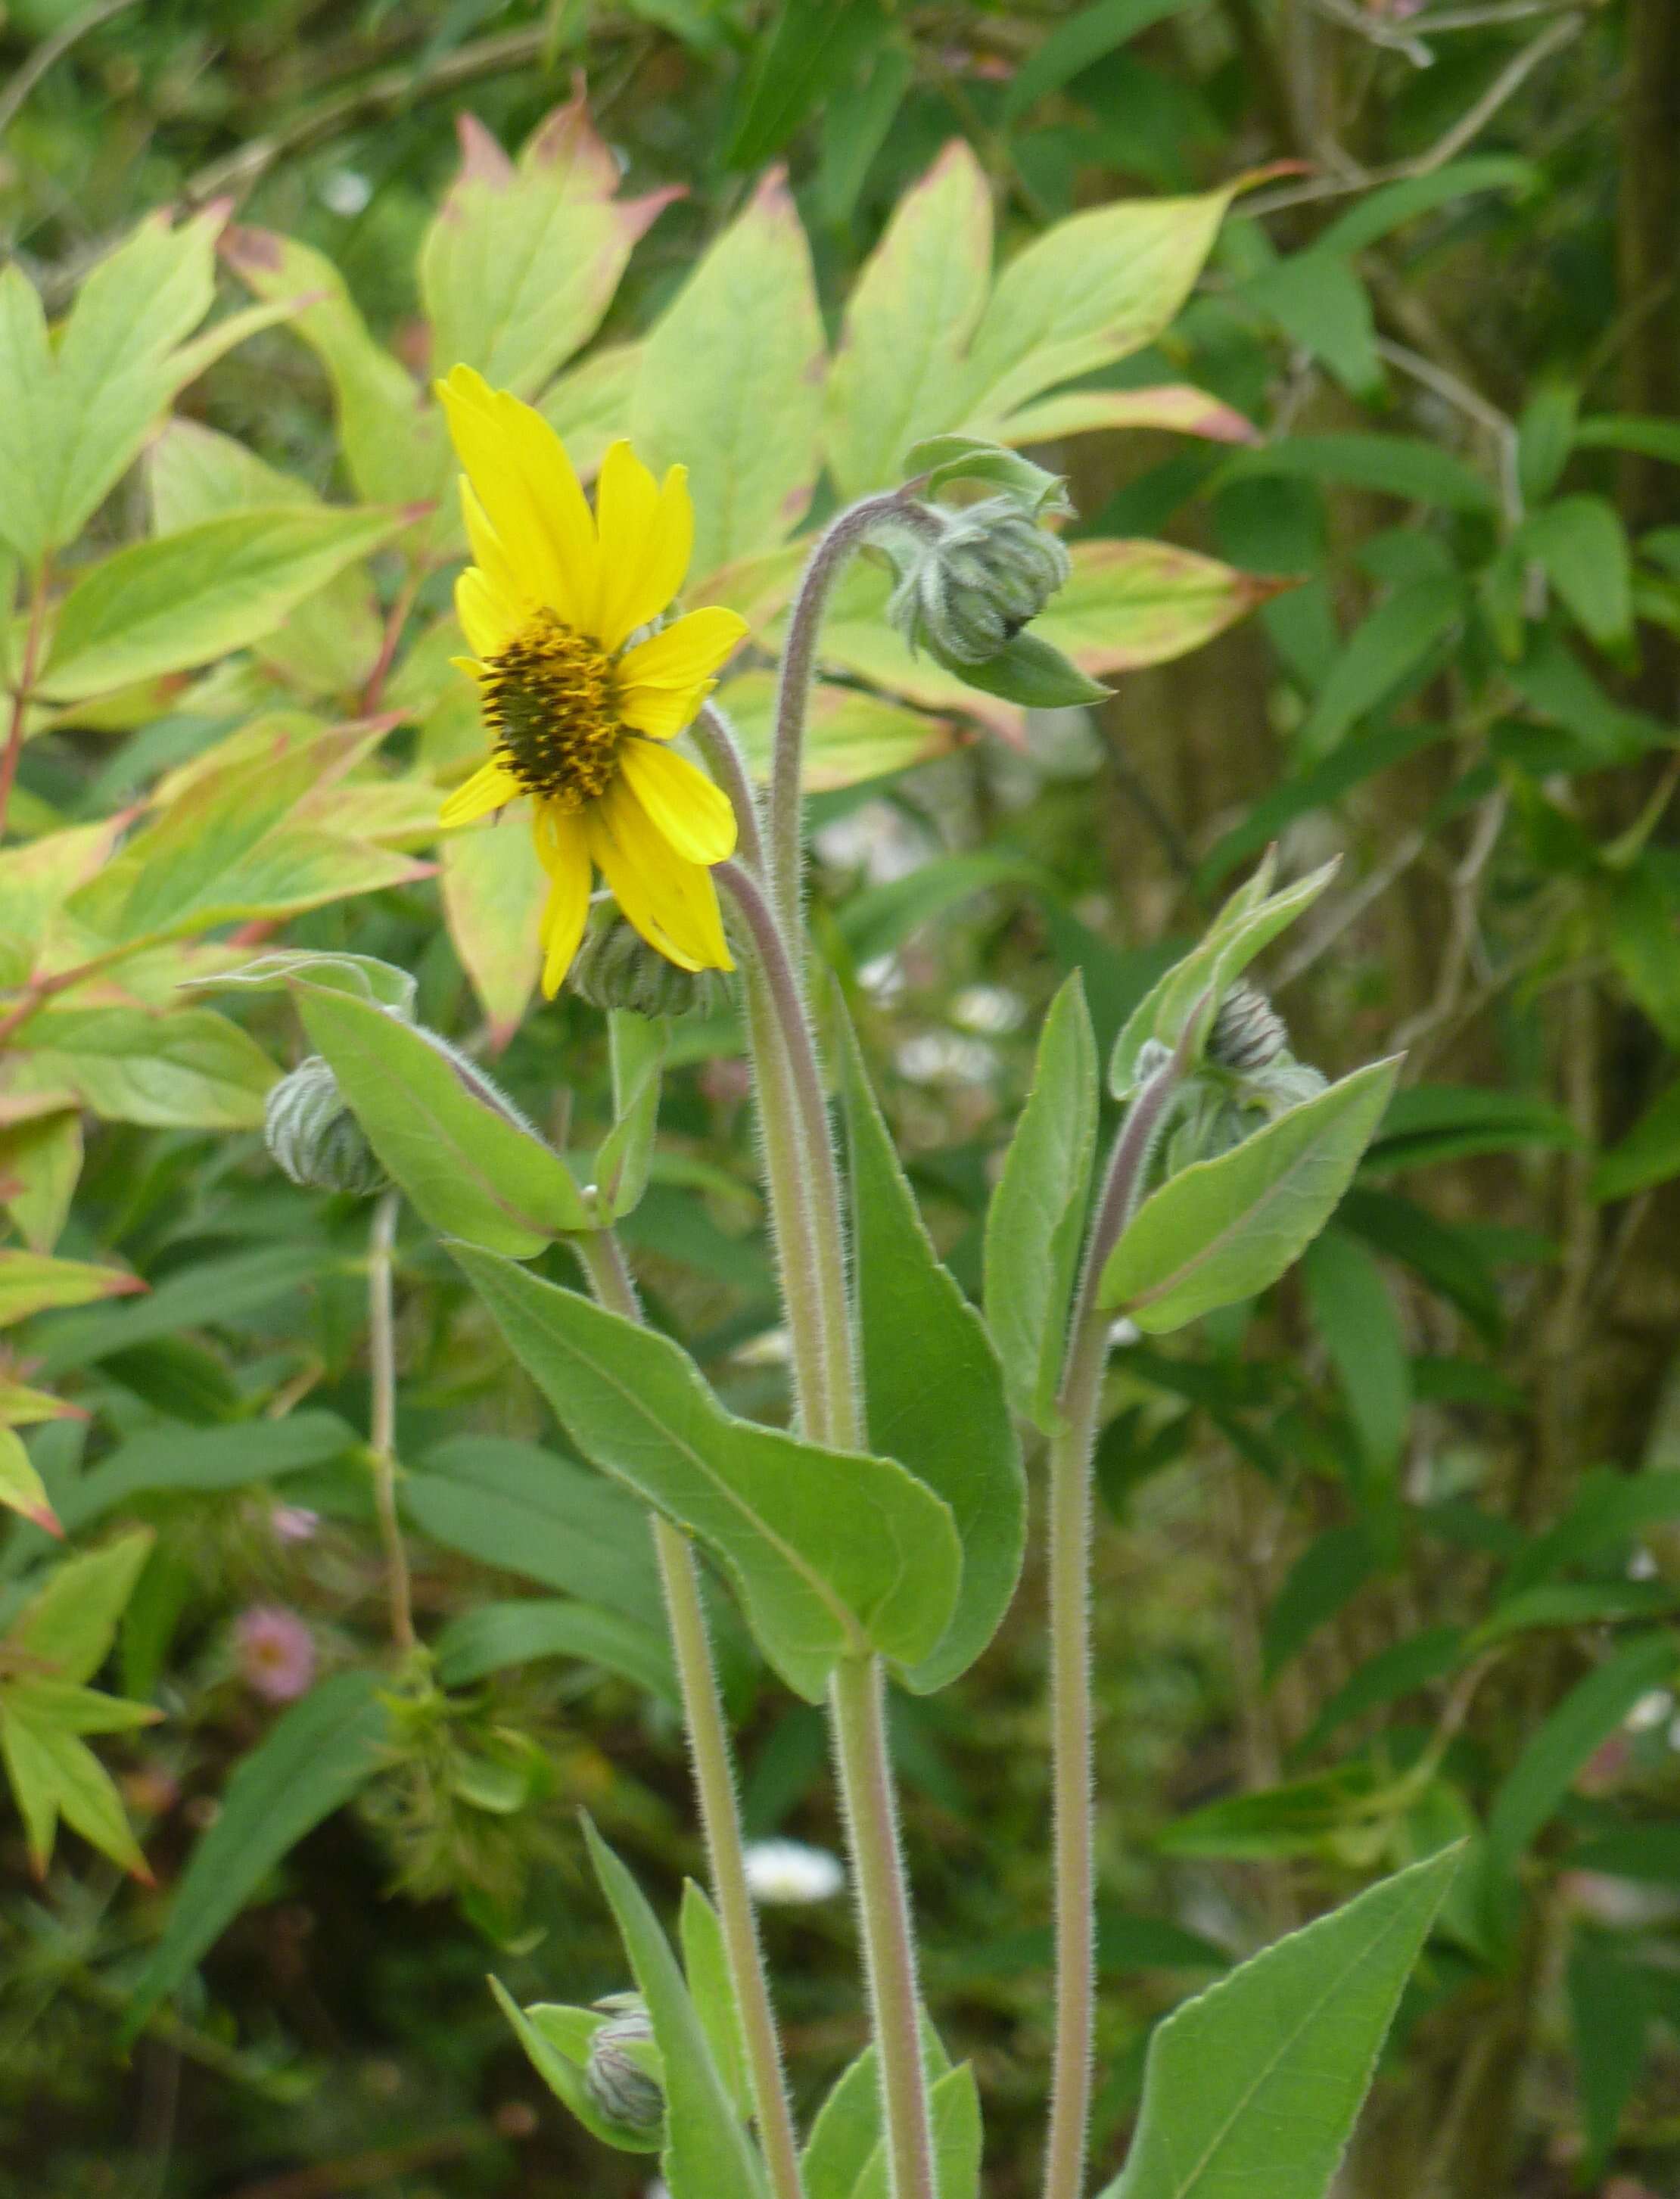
(616, 968)
(1248, 1033)
(315, 1138)
(620, 2075)
(966, 592)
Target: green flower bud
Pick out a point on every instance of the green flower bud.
(616, 968)
(617, 2076)
(314, 1137)
(968, 593)
(1247, 1033)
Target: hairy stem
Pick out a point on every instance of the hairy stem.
(609, 1279)
(722, 750)
(1069, 1589)
(803, 1179)
(383, 1417)
(845, 535)
(857, 1707)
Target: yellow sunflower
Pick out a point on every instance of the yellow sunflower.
(578, 720)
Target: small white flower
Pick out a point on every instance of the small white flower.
(942, 1058)
(771, 1348)
(989, 1009)
(1124, 1332)
(1655, 1709)
(789, 1874)
(344, 191)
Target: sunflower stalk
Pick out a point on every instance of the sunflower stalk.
(611, 1280)
(803, 1180)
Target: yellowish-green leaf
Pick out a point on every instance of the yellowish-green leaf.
(20, 1487)
(193, 595)
(392, 434)
(77, 410)
(196, 473)
(731, 384)
(589, 406)
(36, 880)
(184, 1069)
(493, 888)
(236, 844)
(32, 1283)
(20, 1407)
(40, 1161)
(899, 374)
(1174, 408)
(850, 736)
(69, 1624)
(61, 1775)
(1131, 603)
(523, 259)
(1091, 291)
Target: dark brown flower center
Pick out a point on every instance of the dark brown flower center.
(551, 706)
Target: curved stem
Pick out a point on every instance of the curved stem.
(383, 1416)
(609, 1278)
(833, 552)
(1069, 1592)
(856, 1697)
(804, 1182)
(722, 749)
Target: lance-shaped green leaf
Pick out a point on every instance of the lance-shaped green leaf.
(1223, 1229)
(637, 1045)
(847, 2126)
(22, 1488)
(933, 1387)
(712, 1988)
(30, 1283)
(323, 1750)
(522, 259)
(54, 1774)
(1030, 671)
(1248, 923)
(67, 1628)
(953, 2110)
(556, 2040)
(1036, 1217)
(361, 976)
(708, 2151)
(472, 1169)
(744, 417)
(834, 1552)
(1251, 2089)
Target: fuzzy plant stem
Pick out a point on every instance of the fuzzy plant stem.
(383, 1416)
(721, 746)
(609, 1279)
(845, 536)
(804, 1182)
(1070, 1594)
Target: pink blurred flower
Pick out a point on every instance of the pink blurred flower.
(293, 1523)
(275, 1652)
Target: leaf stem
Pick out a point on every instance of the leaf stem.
(23, 692)
(856, 1700)
(1070, 1594)
(383, 1417)
(609, 1279)
(845, 535)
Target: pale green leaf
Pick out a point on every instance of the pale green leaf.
(196, 473)
(809, 54)
(1223, 1229)
(834, 1552)
(933, 1387)
(953, 2110)
(188, 597)
(636, 1046)
(188, 1068)
(708, 2151)
(850, 736)
(1082, 39)
(589, 406)
(1172, 408)
(1251, 2090)
(898, 374)
(1131, 603)
(30, 1282)
(1391, 465)
(22, 1488)
(1583, 546)
(470, 1169)
(70, 1623)
(741, 412)
(496, 1635)
(40, 1163)
(493, 888)
(712, 1988)
(1362, 1332)
(65, 1779)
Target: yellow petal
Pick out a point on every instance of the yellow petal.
(490, 552)
(486, 620)
(696, 818)
(530, 494)
(492, 786)
(647, 538)
(564, 847)
(681, 655)
(671, 901)
(661, 713)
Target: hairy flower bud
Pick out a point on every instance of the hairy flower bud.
(1248, 1033)
(967, 593)
(615, 2076)
(616, 968)
(314, 1137)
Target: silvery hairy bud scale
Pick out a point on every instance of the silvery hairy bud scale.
(966, 592)
(615, 2076)
(616, 968)
(1248, 1033)
(315, 1138)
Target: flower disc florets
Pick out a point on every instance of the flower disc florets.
(967, 593)
(550, 703)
